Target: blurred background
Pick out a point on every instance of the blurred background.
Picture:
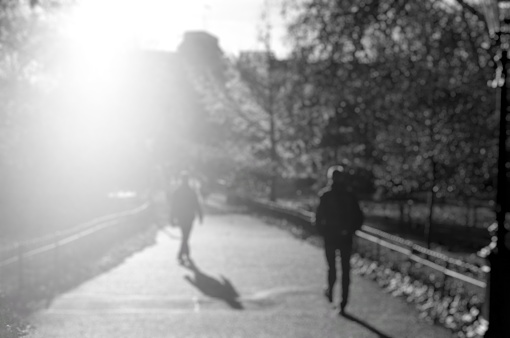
(97, 96)
(103, 103)
(102, 97)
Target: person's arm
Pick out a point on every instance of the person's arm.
(320, 216)
(198, 207)
(359, 218)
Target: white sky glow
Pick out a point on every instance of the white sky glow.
(161, 23)
(100, 36)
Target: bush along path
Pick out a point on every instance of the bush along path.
(11, 325)
(451, 306)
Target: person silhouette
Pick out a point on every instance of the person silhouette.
(337, 218)
(185, 207)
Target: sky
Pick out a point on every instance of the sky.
(234, 22)
(161, 23)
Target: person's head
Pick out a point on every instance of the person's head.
(337, 174)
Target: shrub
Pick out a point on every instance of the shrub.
(11, 326)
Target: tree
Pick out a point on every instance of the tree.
(402, 86)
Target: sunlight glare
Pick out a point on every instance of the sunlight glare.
(102, 40)
(114, 24)
(102, 35)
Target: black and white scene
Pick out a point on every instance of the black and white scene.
(254, 168)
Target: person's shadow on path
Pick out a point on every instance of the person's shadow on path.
(365, 324)
(209, 286)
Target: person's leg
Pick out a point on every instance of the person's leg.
(186, 232)
(331, 261)
(345, 252)
(180, 254)
(184, 248)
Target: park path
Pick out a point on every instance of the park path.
(249, 279)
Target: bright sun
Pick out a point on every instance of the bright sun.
(100, 33)
(97, 62)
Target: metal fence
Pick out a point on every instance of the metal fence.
(45, 261)
(373, 242)
(42, 263)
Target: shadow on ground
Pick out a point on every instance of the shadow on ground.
(221, 289)
(365, 325)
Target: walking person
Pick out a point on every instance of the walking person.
(185, 207)
(337, 218)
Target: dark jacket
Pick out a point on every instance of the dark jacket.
(338, 213)
(185, 205)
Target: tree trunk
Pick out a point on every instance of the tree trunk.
(409, 219)
(431, 203)
(274, 156)
(401, 221)
(272, 188)
(272, 128)
(469, 214)
(475, 215)
(428, 228)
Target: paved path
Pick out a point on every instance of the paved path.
(249, 280)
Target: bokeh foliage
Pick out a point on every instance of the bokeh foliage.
(403, 86)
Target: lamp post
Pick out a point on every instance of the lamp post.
(497, 16)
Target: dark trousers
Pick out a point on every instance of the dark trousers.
(344, 246)
(185, 231)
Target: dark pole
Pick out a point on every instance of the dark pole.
(501, 198)
(272, 129)
(499, 281)
(431, 203)
(272, 126)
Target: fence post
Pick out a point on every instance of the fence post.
(378, 251)
(409, 260)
